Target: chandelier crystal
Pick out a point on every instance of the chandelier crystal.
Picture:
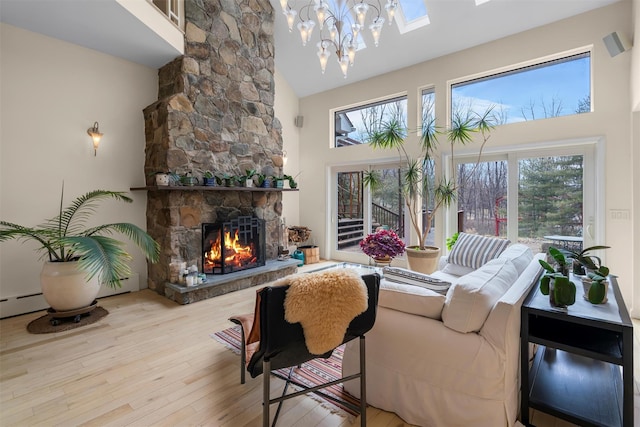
(339, 24)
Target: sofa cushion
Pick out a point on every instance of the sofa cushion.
(473, 250)
(411, 299)
(519, 254)
(470, 300)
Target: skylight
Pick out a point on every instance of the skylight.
(412, 15)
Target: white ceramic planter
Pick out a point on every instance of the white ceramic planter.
(162, 179)
(65, 287)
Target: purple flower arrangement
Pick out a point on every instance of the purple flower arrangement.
(382, 244)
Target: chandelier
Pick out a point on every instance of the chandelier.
(340, 23)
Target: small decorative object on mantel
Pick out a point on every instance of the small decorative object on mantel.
(208, 179)
(382, 246)
(555, 281)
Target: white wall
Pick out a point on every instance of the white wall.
(286, 109)
(611, 118)
(51, 92)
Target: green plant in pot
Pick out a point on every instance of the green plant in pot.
(264, 181)
(555, 280)
(597, 289)
(209, 179)
(246, 180)
(420, 188)
(291, 180)
(81, 258)
(583, 261)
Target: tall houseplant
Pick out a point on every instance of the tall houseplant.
(419, 187)
(81, 258)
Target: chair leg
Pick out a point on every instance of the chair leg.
(266, 378)
(363, 385)
(243, 352)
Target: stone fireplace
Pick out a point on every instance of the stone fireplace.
(214, 113)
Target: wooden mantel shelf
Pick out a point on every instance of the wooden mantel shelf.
(206, 188)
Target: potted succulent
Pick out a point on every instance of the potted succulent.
(382, 246)
(264, 181)
(246, 180)
(418, 186)
(162, 179)
(279, 181)
(81, 258)
(583, 261)
(209, 179)
(291, 180)
(595, 288)
(555, 280)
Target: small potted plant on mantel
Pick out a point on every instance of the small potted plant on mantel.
(208, 179)
(80, 258)
(246, 180)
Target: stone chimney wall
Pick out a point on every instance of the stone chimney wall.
(214, 113)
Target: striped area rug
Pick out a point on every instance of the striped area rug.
(312, 373)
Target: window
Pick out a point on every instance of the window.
(529, 196)
(353, 126)
(554, 88)
(361, 210)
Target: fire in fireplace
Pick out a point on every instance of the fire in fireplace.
(234, 245)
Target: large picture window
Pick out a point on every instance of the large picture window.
(531, 196)
(554, 88)
(353, 126)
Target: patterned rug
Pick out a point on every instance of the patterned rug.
(312, 373)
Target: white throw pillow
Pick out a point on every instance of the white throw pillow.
(411, 299)
(519, 254)
(471, 299)
(474, 251)
(457, 270)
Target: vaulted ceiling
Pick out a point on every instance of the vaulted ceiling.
(454, 25)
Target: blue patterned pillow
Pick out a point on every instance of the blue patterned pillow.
(473, 250)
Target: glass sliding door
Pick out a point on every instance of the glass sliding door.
(551, 199)
(536, 197)
(350, 220)
(387, 203)
(361, 210)
(482, 198)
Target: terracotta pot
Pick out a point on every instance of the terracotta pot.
(65, 287)
(383, 262)
(423, 260)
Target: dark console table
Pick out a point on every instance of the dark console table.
(583, 369)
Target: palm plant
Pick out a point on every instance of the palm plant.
(65, 238)
(419, 186)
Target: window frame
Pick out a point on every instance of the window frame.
(360, 106)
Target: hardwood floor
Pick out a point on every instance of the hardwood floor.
(151, 362)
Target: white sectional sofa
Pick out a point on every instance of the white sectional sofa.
(450, 360)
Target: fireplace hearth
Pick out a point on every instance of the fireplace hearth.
(234, 245)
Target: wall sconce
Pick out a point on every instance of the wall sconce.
(284, 157)
(96, 136)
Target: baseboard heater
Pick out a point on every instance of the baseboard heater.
(23, 304)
